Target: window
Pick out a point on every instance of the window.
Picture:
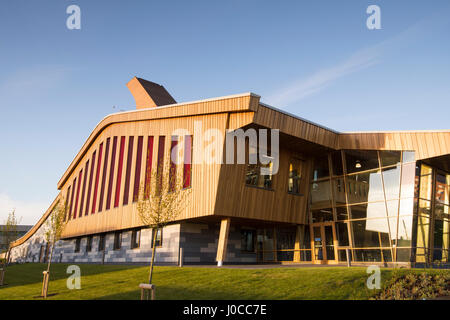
(362, 160)
(77, 244)
(137, 172)
(248, 240)
(128, 170)
(135, 239)
(173, 163)
(71, 198)
(89, 244)
(187, 162)
(78, 194)
(160, 162)
(105, 168)
(111, 173)
(148, 167)
(321, 169)
(67, 203)
(86, 171)
(158, 237)
(254, 176)
(91, 176)
(101, 242)
(117, 240)
(295, 175)
(119, 172)
(97, 177)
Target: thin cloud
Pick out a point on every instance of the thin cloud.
(322, 78)
(28, 212)
(360, 60)
(33, 81)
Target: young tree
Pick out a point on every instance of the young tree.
(53, 230)
(161, 200)
(9, 231)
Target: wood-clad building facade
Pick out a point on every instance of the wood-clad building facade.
(325, 196)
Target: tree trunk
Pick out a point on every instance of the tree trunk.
(155, 233)
(47, 273)
(51, 256)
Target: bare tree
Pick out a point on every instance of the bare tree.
(53, 230)
(161, 200)
(10, 233)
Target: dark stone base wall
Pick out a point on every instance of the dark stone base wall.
(198, 240)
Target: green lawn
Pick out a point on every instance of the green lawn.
(121, 282)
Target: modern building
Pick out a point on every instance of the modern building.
(384, 196)
(7, 236)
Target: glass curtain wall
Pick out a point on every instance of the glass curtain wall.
(432, 220)
(370, 197)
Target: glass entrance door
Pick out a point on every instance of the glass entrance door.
(323, 242)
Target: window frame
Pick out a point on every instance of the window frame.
(101, 242)
(89, 243)
(160, 230)
(135, 239)
(117, 240)
(253, 231)
(300, 162)
(77, 245)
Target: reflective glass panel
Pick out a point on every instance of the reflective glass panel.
(341, 213)
(424, 207)
(363, 187)
(391, 179)
(392, 208)
(406, 207)
(322, 215)
(370, 233)
(321, 168)
(329, 244)
(339, 191)
(342, 234)
(321, 194)
(425, 183)
(318, 243)
(408, 180)
(401, 233)
(408, 156)
(403, 255)
(336, 159)
(361, 160)
(389, 158)
(423, 231)
(442, 190)
(370, 210)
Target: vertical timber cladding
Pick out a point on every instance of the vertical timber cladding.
(236, 199)
(426, 144)
(205, 175)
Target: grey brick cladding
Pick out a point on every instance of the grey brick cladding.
(198, 240)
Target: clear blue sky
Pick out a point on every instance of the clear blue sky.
(316, 59)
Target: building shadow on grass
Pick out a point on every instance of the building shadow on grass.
(31, 273)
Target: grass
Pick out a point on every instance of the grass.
(121, 282)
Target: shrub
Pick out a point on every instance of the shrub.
(413, 286)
